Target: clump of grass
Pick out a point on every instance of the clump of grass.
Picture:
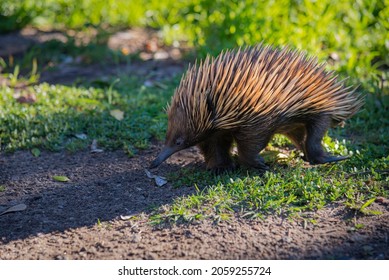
(12, 76)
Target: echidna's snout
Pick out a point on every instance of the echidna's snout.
(163, 155)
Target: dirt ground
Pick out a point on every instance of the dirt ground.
(61, 219)
(85, 218)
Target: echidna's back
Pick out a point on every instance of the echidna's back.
(261, 82)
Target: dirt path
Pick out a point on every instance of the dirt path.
(61, 219)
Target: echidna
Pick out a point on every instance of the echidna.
(248, 95)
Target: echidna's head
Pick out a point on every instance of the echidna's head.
(179, 135)
(189, 114)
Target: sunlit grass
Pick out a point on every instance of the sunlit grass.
(290, 188)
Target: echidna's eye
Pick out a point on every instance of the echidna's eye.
(179, 141)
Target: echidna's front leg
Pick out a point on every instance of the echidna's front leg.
(316, 128)
(248, 151)
(216, 151)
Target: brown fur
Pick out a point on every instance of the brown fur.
(246, 96)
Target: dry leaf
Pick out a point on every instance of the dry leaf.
(126, 217)
(149, 174)
(159, 180)
(148, 83)
(15, 208)
(282, 156)
(93, 147)
(81, 136)
(35, 152)
(117, 114)
(61, 178)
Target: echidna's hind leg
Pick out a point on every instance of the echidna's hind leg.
(216, 151)
(248, 151)
(316, 128)
(297, 135)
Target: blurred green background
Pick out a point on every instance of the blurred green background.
(352, 33)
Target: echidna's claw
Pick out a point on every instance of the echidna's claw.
(328, 159)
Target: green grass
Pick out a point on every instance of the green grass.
(352, 36)
(62, 112)
(289, 191)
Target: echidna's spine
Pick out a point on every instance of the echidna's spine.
(258, 82)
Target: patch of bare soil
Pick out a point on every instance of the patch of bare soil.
(155, 61)
(81, 219)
